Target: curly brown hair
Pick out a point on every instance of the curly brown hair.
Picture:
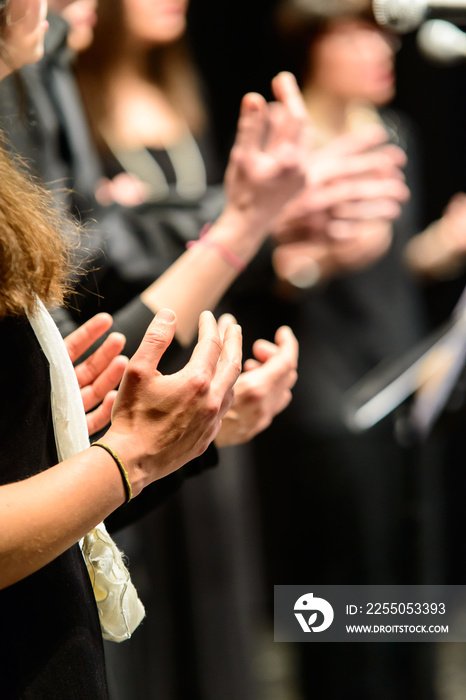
(34, 256)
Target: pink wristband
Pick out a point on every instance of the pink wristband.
(226, 254)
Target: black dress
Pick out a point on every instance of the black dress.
(51, 642)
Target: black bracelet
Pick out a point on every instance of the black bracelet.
(123, 472)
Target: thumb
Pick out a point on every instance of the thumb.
(156, 340)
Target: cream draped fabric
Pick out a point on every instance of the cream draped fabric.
(120, 609)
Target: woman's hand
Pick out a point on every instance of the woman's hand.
(268, 161)
(99, 374)
(355, 177)
(160, 422)
(263, 390)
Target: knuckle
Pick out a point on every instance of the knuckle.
(200, 383)
(210, 409)
(156, 336)
(255, 394)
(136, 371)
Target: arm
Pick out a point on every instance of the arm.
(159, 423)
(265, 170)
(439, 252)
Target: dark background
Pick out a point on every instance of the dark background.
(234, 45)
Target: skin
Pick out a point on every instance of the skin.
(262, 175)
(439, 252)
(154, 22)
(100, 373)
(24, 34)
(353, 59)
(262, 171)
(158, 422)
(261, 388)
(355, 188)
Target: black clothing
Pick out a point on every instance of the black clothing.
(51, 642)
(122, 249)
(184, 557)
(339, 508)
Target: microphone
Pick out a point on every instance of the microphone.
(441, 41)
(407, 15)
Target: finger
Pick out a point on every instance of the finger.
(156, 340)
(274, 376)
(252, 123)
(89, 370)
(278, 127)
(83, 337)
(227, 403)
(371, 165)
(360, 190)
(287, 341)
(207, 351)
(298, 125)
(229, 365)
(109, 379)
(264, 350)
(97, 420)
(283, 132)
(388, 209)
(280, 367)
(224, 321)
(286, 90)
(456, 203)
(251, 364)
(371, 136)
(396, 154)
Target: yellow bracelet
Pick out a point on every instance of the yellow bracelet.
(123, 472)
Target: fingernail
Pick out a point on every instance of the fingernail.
(166, 315)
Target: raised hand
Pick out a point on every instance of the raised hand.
(99, 374)
(160, 422)
(268, 160)
(350, 245)
(356, 176)
(263, 390)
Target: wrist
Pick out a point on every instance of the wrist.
(124, 446)
(241, 233)
(228, 256)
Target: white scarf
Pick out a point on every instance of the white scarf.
(120, 609)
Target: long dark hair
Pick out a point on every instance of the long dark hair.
(170, 67)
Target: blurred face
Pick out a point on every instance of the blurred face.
(81, 15)
(354, 59)
(155, 22)
(25, 30)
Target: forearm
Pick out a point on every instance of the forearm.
(432, 255)
(201, 276)
(44, 515)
